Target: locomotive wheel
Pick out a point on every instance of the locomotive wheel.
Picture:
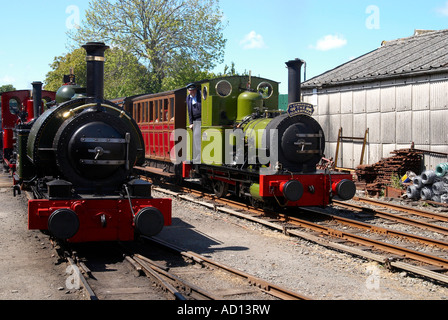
(220, 188)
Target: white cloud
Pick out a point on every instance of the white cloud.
(443, 10)
(252, 40)
(329, 42)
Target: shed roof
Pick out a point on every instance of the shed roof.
(424, 52)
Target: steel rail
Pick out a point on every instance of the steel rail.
(391, 248)
(394, 217)
(92, 295)
(168, 287)
(405, 252)
(149, 266)
(291, 229)
(275, 290)
(419, 212)
(71, 257)
(326, 229)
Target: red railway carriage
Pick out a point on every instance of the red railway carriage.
(158, 115)
(18, 106)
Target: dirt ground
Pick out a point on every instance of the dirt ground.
(30, 270)
(29, 266)
(296, 264)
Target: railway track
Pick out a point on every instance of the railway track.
(173, 274)
(247, 286)
(403, 214)
(424, 256)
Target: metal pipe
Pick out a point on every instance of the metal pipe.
(418, 182)
(428, 177)
(439, 188)
(294, 80)
(442, 169)
(95, 69)
(413, 192)
(426, 193)
(37, 98)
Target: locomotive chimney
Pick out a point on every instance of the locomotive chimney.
(294, 80)
(37, 98)
(95, 69)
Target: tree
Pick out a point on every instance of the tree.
(165, 35)
(181, 72)
(62, 65)
(123, 74)
(6, 88)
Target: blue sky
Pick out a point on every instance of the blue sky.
(261, 34)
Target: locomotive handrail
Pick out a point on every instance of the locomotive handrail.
(84, 106)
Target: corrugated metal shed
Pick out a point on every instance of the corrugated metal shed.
(414, 55)
(399, 92)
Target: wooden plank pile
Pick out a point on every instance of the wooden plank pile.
(377, 176)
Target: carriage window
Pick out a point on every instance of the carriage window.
(156, 111)
(171, 109)
(134, 111)
(165, 110)
(151, 111)
(139, 113)
(14, 104)
(146, 112)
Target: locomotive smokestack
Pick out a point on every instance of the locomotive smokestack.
(37, 98)
(95, 69)
(294, 79)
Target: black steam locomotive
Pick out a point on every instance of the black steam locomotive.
(77, 161)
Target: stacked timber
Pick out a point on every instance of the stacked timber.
(378, 175)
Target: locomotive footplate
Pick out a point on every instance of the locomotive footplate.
(106, 219)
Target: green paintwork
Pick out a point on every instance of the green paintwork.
(226, 101)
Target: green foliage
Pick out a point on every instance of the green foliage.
(123, 74)
(178, 40)
(61, 66)
(395, 181)
(6, 88)
(182, 72)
